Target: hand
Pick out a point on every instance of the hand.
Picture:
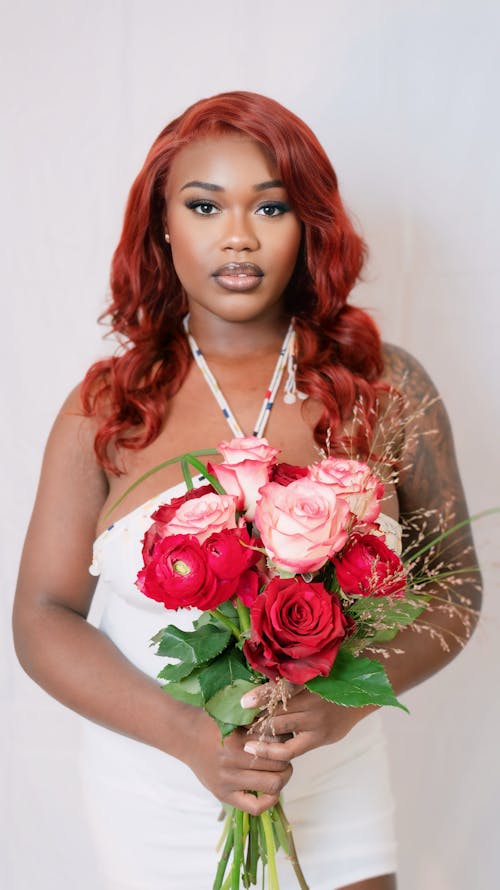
(231, 773)
(308, 722)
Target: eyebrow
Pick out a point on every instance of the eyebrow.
(211, 187)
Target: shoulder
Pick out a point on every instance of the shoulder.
(69, 452)
(74, 422)
(405, 373)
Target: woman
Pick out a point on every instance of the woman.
(235, 219)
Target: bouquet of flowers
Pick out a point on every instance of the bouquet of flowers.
(294, 576)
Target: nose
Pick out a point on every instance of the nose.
(239, 233)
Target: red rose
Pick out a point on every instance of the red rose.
(283, 473)
(368, 567)
(229, 552)
(297, 629)
(178, 575)
(162, 517)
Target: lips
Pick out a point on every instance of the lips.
(239, 276)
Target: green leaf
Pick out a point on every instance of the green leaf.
(225, 728)
(178, 671)
(380, 618)
(355, 682)
(283, 573)
(157, 637)
(187, 690)
(225, 704)
(194, 647)
(155, 469)
(223, 671)
(229, 610)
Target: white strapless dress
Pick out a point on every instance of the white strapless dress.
(156, 827)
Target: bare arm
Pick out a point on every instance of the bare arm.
(429, 483)
(79, 665)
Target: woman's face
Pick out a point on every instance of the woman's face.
(233, 234)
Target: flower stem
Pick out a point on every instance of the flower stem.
(246, 841)
(237, 849)
(291, 846)
(223, 861)
(243, 615)
(226, 621)
(253, 849)
(271, 850)
(225, 829)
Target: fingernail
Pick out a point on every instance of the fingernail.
(250, 748)
(248, 700)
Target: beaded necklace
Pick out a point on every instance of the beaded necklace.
(286, 358)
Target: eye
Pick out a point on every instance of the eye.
(203, 208)
(277, 208)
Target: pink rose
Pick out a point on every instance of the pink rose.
(165, 512)
(353, 481)
(297, 629)
(163, 515)
(203, 516)
(245, 469)
(368, 567)
(302, 524)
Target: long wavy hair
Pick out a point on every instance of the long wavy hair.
(339, 351)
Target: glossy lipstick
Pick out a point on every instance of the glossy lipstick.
(238, 276)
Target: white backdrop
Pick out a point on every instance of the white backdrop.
(404, 97)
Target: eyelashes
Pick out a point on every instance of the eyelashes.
(203, 208)
(278, 208)
(269, 209)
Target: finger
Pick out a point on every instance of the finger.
(264, 764)
(243, 800)
(267, 735)
(288, 724)
(263, 782)
(295, 746)
(260, 696)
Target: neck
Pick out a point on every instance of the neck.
(219, 338)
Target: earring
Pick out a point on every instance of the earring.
(167, 237)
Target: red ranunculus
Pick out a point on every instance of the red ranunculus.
(178, 575)
(297, 628)
(248, 587)
(162, 517)
(368, 567)
(229, 552)
(284, 473)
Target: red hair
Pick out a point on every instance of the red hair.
(339, 350)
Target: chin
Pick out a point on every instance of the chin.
(239, 308)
